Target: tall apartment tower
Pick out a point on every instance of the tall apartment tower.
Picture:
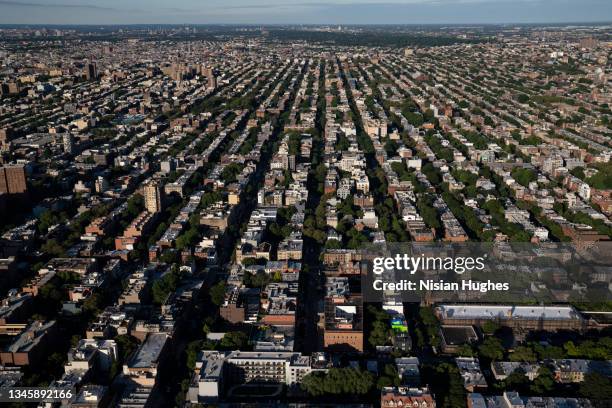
(6, 134)
(588, 42)
(13, 180)
(153, 196)
(91, 71)
(68, 143)
(209, 73)
(212, 82)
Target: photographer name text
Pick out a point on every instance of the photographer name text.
(432, 285)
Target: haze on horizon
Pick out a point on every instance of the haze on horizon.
(303, 11)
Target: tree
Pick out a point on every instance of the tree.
(192, 351)
(125, 345)
(135, 205)
(431, 324)
(544, 382)
(596, 386)
(54, 362)
(217, 293)
(189, 238)
(338, 381)
(548, 352)
(523, 353)
(229, 173)
(53, 248)
(389, 377)
(235, 340)
(490, 327)
(465, 350)
(578, 172)
(446, 384)
(333, 244)
(415, 119)
(523, 176)
(257, 280)
(47, 219)
(51, 294)
(491, 349)
(516, 381)
(93, 304)
(164, 286)
(429, 214)
(380, 334)
(343, 143)
(592, 350)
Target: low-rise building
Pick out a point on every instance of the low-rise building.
(143, 367)
(30, 345)
(393, 397)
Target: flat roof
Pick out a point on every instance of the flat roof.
(509, 311)
(455, 335)
(149, 351)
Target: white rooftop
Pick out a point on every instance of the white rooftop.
(508, 311)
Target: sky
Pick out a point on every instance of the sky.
(303, 11)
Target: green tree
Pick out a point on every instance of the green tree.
(523, 353)
(548, 352)
(465, 350)
(522, 98)
(446, 383)
(596, 387)
(126, 345)
(338, 381)
(389, 377)
(490, 327)
(544, 382)
(192, 350)
(523, 176)
(380, 334)
(164, 286)
(217, 293)
(234, 340)
(53, 248)
(517, 381)
(491, 349)
(93, 304)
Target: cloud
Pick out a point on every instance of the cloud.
(368, 3)
(301, 11)
(178, 10)
(53, 5)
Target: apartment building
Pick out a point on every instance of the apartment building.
(153, 197)
(343, 328)
(216, 370)
(550, 318)
(30, 345)
(393, 397)
(143, 367)
(13, 180)
(131, 236)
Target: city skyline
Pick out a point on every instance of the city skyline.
(306, 12)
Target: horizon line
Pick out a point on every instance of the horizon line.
(568, 23)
